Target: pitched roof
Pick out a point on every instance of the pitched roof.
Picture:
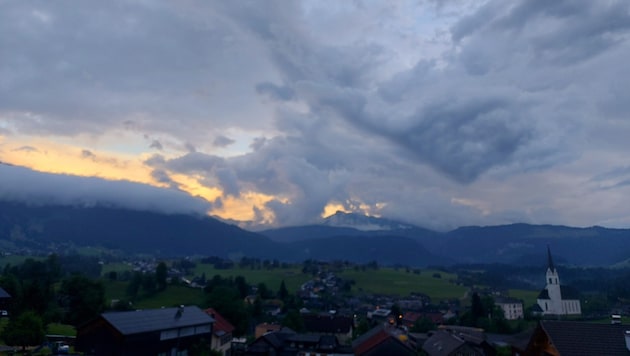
(333, 324)
(369, 340)
(550, 260)
(221, 325)
(507, 300)
(377, 336)
(580, 338)
(135, 322)
(4, 294)
(442, 342)
(449, 338)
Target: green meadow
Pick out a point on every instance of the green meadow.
(173, 295)
(387, 281)
(527, 296)
(399, 282)
(272, 278)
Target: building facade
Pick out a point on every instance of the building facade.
(512, 308)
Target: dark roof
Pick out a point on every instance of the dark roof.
(376, 336)
(566, 293)
(332, 324)
(507, 300)
(369, 340)
(450, 338)
(442, 342)
(580, 338)
(135, 322)
(550, 260)
(287, 342)
(4, 294)
(221, 325)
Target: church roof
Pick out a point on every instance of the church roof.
(550, 260)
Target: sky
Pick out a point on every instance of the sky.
(278, 113)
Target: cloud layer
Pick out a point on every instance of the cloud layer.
(437, 113)
(37, 188)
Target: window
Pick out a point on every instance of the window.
(168, 334)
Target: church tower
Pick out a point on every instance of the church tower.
(555, 299)
(553, 286)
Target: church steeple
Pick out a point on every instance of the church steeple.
(550, 265)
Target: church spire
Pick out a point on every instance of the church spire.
(550, 260)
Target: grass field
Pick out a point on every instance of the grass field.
(382, 281)
(116, 267)
(61, 329)
(398, 282)
(173, 295)
(528, 296)
(293, 277)
(15, 260)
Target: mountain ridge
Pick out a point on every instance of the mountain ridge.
(38, 226)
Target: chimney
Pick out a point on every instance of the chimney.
(179, 312)
(627, 335)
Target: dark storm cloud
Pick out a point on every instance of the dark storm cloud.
(349, 102)
(88, 154)
(71, 68)
(24, 185)
(157, 145)
(222, 141)
(26, 149)
(274, 91)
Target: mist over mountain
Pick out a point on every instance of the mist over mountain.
(40, 210)
(20, 184)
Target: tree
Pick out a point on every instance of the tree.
(226, 300)
(283, 293)
(134, 285)
(476, 308)
(25, 330)
(148, 284)
(294, 321)
(83, 299)
(263, 291)
(161, 272)
(242, 286)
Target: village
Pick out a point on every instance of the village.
(325, 314)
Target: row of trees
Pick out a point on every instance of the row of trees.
(48, 291)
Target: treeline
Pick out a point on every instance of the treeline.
(50, 291)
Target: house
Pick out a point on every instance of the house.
(145, 332)
(288, 342)
(381, 315)
(5, 302)
(512, 308)
(263, 328)
(557, 299)
(553, 337)
(410, 318)
(458, 340)
(328, 324)
(221, 333)
(384, 340)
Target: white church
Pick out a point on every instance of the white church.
(556, 299)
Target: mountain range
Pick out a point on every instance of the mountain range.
(342, 236)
